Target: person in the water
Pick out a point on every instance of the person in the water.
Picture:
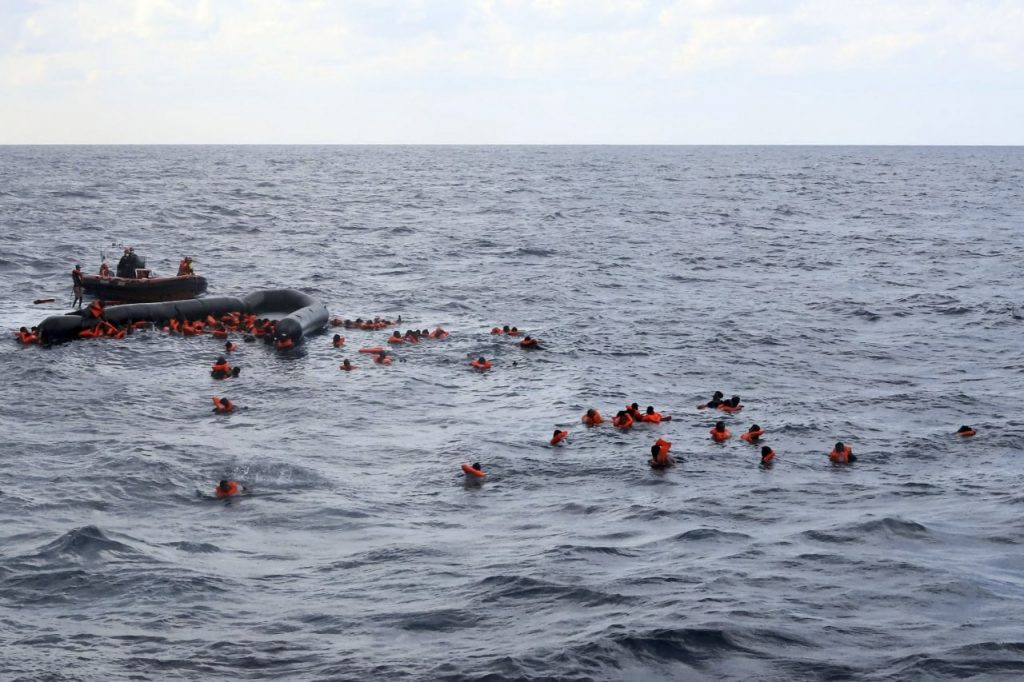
(228, 488)
(842, 454)
(966, 431)
(767, 456)
(715, 401)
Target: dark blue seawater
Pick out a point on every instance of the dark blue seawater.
(863, 294)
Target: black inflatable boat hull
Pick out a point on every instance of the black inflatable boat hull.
(297, 314)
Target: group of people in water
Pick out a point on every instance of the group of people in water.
(252, 328)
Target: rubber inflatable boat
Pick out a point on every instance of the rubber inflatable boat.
(144, 289)
(296, 313)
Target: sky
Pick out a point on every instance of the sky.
(512, 72)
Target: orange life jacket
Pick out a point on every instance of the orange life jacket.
(624, 423)
(221, 367)
(231, 491)
(338, 343)
(514, 332)
(719, 436)
(482, 366)
(528, 343)
(559, 437)
(592, 421)
(229, 347)
(220, 408)
(27, 337)
(661, 459)
(470, 471)
(766, 459)
(396, 339)
(495, 330)
(841, 457)
(87, 333)
(95, 309)
(967, 434)
(752, 436)
(730, 408)
(285, 343)
(654, 418)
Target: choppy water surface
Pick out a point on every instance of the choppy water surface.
(861, 294)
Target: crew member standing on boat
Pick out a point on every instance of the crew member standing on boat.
(129, 261)
(77, 287)
(185, 267)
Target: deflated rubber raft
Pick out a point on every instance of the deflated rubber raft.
(297, 314)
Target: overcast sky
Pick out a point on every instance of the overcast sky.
(508, 71)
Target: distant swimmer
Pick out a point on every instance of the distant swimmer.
(767, 456)
(382, 358)
(396, 338)
(439, 333)
(731, 405)
(654, 417)
(514, 331)
(221, 369)
(230, 347)
(622, 420)
(966, 431)
(481, 364)
(506, 329)
(229, 489)
(715, 401)
(495, 331)
(592, 418)
(659, 455)
(529, 343)
(346, 365)
(719, 433)
(559, 436)
(753, 434)
(474, 474)
(223, 405)
(27, 337)
(77, 286)
(338, 341)
(842, 454)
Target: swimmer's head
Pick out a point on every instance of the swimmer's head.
(719, 426)
(839, 447)
(755, 427)
(650, 409)
(718, 395)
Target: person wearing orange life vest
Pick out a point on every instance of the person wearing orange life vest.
(654, 417)
(966, 431)
(659, 455)
(230, 347)
(338, 341)
(622, 420)
(767, 456)
(396, 338)
(220, 369)
(634, 412)
(185, 268)
(26, 337)
(731, 405)
(480, 364)
(228, 488)
(223, 405)
(753, 434)
(719, 433)
(96, 309)
(592, 417)
(842, 454)
(529, 343)
(559, 437)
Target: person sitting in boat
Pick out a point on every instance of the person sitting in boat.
(104, 269)
(185, 267)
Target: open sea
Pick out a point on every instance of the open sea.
(864, 294)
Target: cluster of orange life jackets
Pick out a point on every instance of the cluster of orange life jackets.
(368, 325)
